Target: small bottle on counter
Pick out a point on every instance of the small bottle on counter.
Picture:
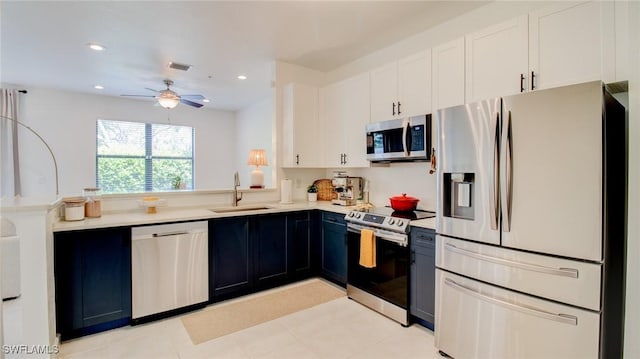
(93, 202)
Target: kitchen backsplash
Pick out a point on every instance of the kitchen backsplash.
(412, 178)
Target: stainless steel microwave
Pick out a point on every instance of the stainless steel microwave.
(407, 139)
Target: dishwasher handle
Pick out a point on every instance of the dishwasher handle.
(169, 230)
(168, 234)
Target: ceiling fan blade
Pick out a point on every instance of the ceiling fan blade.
(138, 95)
(146, 88)
(190, 103)
(194, 97)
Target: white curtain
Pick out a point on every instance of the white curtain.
(9, 159)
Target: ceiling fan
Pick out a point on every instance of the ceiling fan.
(170, 99)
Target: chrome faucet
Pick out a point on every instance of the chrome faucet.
(236, 184)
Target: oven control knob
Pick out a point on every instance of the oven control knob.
(391, 221)
(351, 214)
(358, 215)
(400, 223)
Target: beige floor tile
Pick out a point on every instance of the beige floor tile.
(97, 353)
(157, 344)
(292, 351)
(220, 348)
(84, 344)
(263, 339)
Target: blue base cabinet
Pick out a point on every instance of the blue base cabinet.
(92, 280)
(300, 244)
(423, 268)
(269, 235)
(230, 269)
(252, 253)
(334, 247)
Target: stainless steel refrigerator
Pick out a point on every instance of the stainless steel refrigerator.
(531, 224)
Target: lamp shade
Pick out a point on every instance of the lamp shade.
(257, 158)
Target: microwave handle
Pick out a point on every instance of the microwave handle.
(406, 137)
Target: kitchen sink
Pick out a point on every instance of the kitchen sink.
(238, 209)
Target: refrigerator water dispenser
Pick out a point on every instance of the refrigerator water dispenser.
(458, 195)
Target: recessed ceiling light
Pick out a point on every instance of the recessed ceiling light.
(98, 87)
(96, 47)
(206, 100)
(242, 77)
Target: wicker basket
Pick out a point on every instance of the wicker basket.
(325, 190)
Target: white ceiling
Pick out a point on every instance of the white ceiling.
(43, 43)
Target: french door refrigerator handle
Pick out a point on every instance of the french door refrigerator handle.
(495, 195)
(563, 272)
(560, 317)
(507, 187)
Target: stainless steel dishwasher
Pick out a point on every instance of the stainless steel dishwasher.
(170, 268)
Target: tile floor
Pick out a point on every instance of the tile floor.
(340, 328)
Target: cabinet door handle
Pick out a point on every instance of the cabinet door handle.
(297, 159)
(413, 256)
(399, 108)
(533, 76)
(345, 159)
(393, 109)
(521, 82)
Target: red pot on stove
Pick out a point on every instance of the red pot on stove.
(404, 203)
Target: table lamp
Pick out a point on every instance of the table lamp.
(257, 158)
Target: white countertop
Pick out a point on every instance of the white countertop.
(177, 214)
(428, 223)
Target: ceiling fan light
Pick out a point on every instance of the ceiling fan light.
(168, 102)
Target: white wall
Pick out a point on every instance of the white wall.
(254, 129)
(632, 310)
(67, 121)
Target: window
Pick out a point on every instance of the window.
(143, 157)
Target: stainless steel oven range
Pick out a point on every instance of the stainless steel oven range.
(384, 287)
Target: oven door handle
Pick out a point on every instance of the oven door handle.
(398, 238)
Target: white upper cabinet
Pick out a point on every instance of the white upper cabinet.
(402, 89)
(414, 84)
(300, 127)
(384, 92)
(344, 115)
(496, 60)
(332, 105)
(448, 74)
(569, 43)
